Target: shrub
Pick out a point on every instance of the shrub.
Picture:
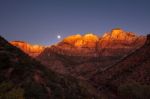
(9, 91)
(35, 91)
(134, 91)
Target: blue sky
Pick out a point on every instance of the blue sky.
(40, 21)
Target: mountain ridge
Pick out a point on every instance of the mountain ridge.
(30, 49)
(90, 44)
(108, 62)
(83, 55)
(83, 62)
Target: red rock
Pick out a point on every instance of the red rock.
(83, 55)
(133, 68)
(90, 44)
(32, 50)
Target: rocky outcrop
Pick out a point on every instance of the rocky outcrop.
(117, 41)
(86, 41)
(32, 50)
(119, 38)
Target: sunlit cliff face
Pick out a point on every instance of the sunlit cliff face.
(88, 43)
(122, 35)
(72, 39)
(115, 42)
(118, 38)
(110, 39)
(32, 50)
(87, 40)
(118, 34)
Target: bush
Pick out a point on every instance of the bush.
(134, 91)
(8, 91)
(35, 91)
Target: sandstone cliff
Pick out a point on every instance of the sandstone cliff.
(93, 45)
(32, 50)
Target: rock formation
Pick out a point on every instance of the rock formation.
(91, 45)
(32, 50)
(86, 41)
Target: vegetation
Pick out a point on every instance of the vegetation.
(9, 91)
(134, 91)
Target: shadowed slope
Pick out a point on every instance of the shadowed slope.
(134, 68)
(24, 76)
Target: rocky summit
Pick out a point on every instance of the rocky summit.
(32, 50)
(88, 40)
(90, 44)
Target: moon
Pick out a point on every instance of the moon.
(58, 37)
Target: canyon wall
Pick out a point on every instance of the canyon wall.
(32, 50)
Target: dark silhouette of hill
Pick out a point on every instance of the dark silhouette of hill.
(22, 77)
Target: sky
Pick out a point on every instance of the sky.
(41, 21)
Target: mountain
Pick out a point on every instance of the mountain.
(117, 64)
(32, 50)
(22, 77)
(86, 41)
(132, 69)
(120, 42)
(91, 45)
(82, 56)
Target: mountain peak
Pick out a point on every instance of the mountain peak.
(109, 39)
(86, 40)
(119, 34)
(30, 49)
(71, 39)
(90, 37)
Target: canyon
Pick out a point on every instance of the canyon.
(106, 62)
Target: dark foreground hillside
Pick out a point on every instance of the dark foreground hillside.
(129, 78)
(22, 77)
